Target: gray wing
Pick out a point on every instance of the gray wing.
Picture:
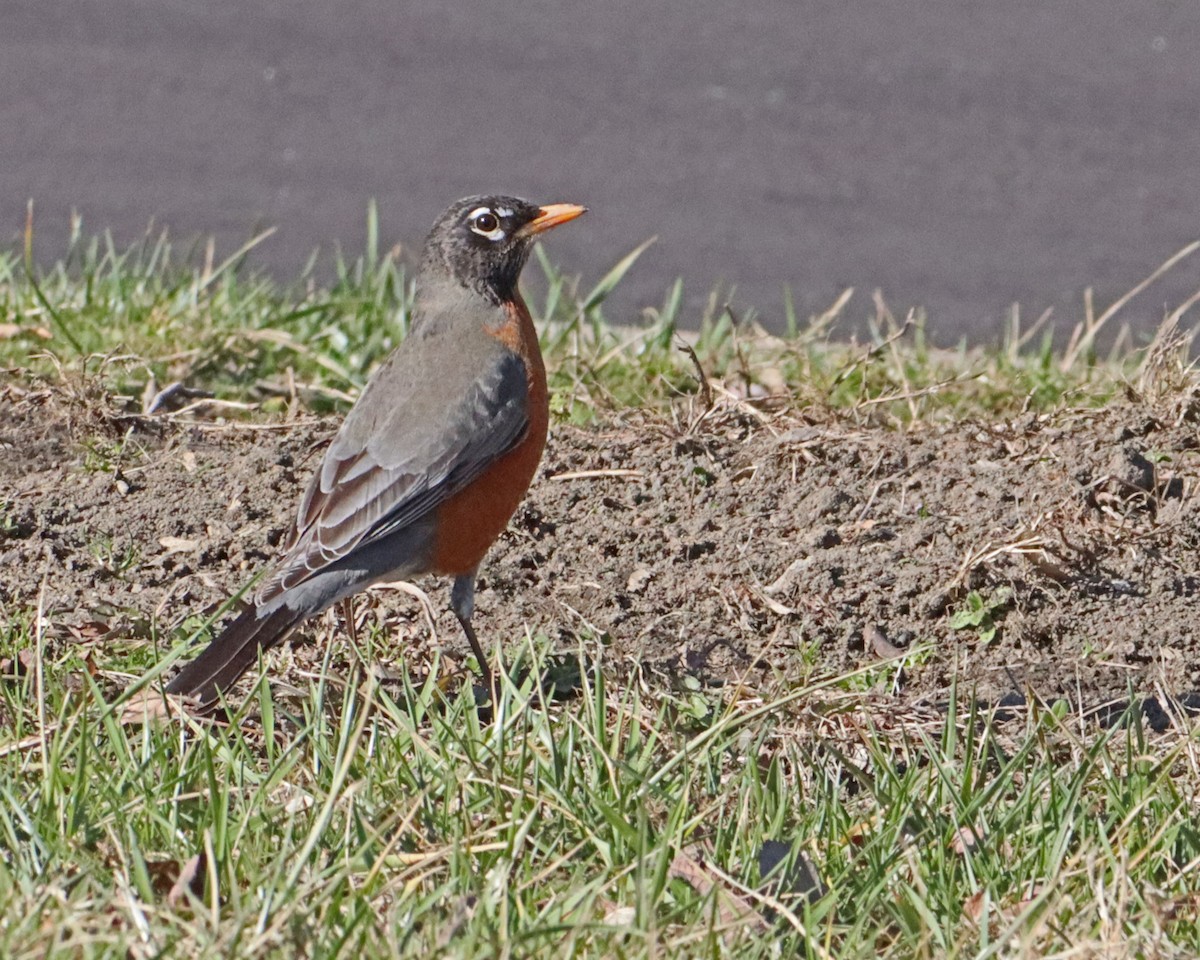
(398, 456)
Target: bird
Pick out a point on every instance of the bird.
(433, 458)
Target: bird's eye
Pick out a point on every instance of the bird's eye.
(486, 222)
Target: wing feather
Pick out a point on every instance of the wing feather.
(381, 473)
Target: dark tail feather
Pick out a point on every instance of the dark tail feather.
(233, 653)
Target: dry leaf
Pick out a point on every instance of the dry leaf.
(638, 580)
(858, 832)
(91, 630)
(10, 331)
(620, 917)
(973, 907)
(965, 840)
(777, 608)
(880, 645)
(190, 879)
(178, 544)
(20, 666)
(150, 705)
(731, 909)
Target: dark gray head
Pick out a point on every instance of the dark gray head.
(483, 242)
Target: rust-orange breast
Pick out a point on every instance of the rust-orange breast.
(469, 522)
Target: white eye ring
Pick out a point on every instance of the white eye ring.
(486, 223)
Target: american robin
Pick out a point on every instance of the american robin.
(434, 457)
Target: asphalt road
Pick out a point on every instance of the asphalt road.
(957, 155)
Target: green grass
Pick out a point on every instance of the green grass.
(379, 821)
(385, 819)
(136, 320)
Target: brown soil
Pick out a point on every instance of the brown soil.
(739, 546)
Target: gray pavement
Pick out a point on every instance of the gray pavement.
(958, 155)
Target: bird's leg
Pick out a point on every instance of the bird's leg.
(462, 602)
(346, 608)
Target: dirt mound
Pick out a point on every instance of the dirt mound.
(1058, 555)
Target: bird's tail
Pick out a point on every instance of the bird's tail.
(233, 653)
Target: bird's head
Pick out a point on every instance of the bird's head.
(483, 242)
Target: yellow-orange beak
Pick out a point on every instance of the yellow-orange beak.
(550, 216)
